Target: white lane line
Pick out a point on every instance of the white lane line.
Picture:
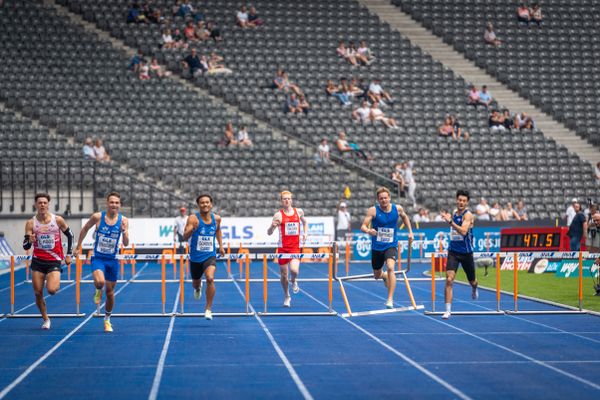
(163, 355)
(288, 365)
(43, 358)
(8, 287)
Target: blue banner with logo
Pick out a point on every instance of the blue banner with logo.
(5, 250)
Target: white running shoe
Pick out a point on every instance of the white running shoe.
(389, 304)
(474, 293)
(446, 315)
(46, 324)
(287, 302)
(295, 287)
(208, 315)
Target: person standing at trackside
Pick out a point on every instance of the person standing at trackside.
(288, 221)
(203, 228)
(577, 228)
(342, 228)
(179, 228)
(43, 233)
(409, 181)
(381, 222)
(110, 225)
(461, 248)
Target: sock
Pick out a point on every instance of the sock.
(448, 307)
(107, 316)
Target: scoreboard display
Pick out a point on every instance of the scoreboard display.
(534, 239)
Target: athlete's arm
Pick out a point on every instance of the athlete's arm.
(29, 236)
(62, 224)
(84, 230)
(304, 224)
(190, 227)
(125, 230)
(219, 235)
(466, 224)
(406, 221)
(367, 222)
(175, 230)
(275, 223)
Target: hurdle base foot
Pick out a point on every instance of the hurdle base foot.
(466, 313)
(58, 315)
(217, 314)
(298, 314)
(384, 311)
(547, 312)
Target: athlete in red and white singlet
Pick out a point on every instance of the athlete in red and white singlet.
(42, 232)
(288, 220)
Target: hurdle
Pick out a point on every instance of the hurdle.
(400, 271)
(331, 260)
(497, 311)
(12, 314)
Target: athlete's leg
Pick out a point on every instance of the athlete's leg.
(53, 282)
(99, 280)
(110, 296)
(450, 275)
(294, 269)
(37, 279)
(391, 278)
(209, 274)
(283, 273)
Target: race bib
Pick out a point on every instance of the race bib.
(45, 241)
(385, 235)
(106, 245)
(205, 243)
(292, 228)
(455, 236)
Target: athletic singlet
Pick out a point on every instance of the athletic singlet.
(289, 230)
(459, 243)
(386, 225)
(107, 238)
(202, 245)
(48, 244)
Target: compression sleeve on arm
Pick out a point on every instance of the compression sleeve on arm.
(69, 234)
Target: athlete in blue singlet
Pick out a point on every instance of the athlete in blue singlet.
(461, 248)
(110, 225)
(381, 223)
(204, 227)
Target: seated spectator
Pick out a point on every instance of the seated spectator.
(446, 130)
(175, 8)
(506, 120)
(344, 147)
(494, 122)
(377, 115)
(377, 95)
(322, 156)
(421, 216)
(282, 82)
(521, 211)
(364, 53)
(536, 14)
(215, 58)
(229, 136)
(457, 131)
(178, 40)
(144, 71)
(100, 151)
(185, 8)
(482, 210)
(157, 70)
(213, 68)
(157, 17)
(292, 104)
(134, 64)
(241, 18)
(362, 113)
(473, 97)
(523, 14)
(135, 14)
(398, 178)
(88, 149)
(358, 88)
(189, 32)
(440, 216)
(485, 97)
(496, 212)
(243, 138)
(597, 173)
(352, 54)
(194, 64)
(490, 37)
(167, 40)
(213, 32)
(303, 104)
(344, 87)
(346, 54)
(253, 18)
(332, 90)
(200, 32)
(523, 121)
(509, 213)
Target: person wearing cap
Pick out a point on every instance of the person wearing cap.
(570, 213)
(343, 222)
(178, 229)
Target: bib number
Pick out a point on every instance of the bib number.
(455, 236)
(385, 235)
(292, 228)
(205, 244)
(45, 241)
(106, 245)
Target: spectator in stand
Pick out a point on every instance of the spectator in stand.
(213, 68)
(189, 32)
(570, 213)
(243, 137)
(494, 122)
(364, 53)
(345, 53)
(241, 18)
(185, 8)
(178, 40)
(322, 156)
(490, 36)
(446, 129)
(352, 53)
(485, 97)
(409, 181)
(440, 216)
(457, 130)
(292, 104)
(496, 212)
(229, 136)
(179, 228)
(483, 210)
(343, 224)
(144, 71)
(156, 17)
(332, 90)
(303, 104)
(523, 121)
(523, 14)
(473, 96)
(377, 95)
(167, 40)
(597, 174)
(282, 82)
(421, 216)
(175, 8)
(398, 178)
(134, 64)
(536, 14)
(362, 113)
(194, 64)
(577, 227)
(377, 115)
(506, 120)
(100, 151)
(157, 70)
(88, 149)
(135, 14)
(253, 18)
(521, 211)
(344, 87)
(214, 32)
(509, 213)
(344, 147)
(356, 89)
(201, 32)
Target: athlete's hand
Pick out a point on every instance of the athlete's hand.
(75, 253)
(304, 238)
(372, 232)
(68, 260)
(275, 223)
(32, 238)
(221, 251)
(447, 217)
(411, 236)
